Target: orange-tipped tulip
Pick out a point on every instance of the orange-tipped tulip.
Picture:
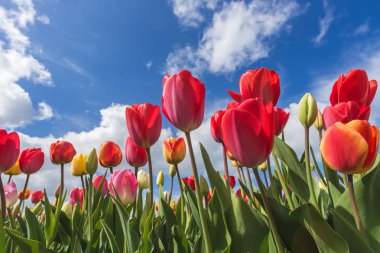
(174, 150)
(350, 148)
(62, 152)
(110, 154)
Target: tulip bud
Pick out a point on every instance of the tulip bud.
(143, 179)
(204, 186)
(67, 208)
(57, 191)
(174, 150)
(311, 166)
(318, 123)
(160, 179)
(172, 171)
(307, 110)
(263, 166)
(92, 162)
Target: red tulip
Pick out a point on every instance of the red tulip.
(136, 156)
(248, 132)
(9, 149)
(232, 181)
(37, 196)
(110, 154)
(62, 152)
(189, 181)
(239, 194)
(259, 83)
(183, 100)
(76, 196)
(350, 148)
(31, 160)
(209, 195)
(144, 123)
(97, 181)
(216, 125)
(280, 119)
(353, 87)
(344, 112)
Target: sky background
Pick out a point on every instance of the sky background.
(69, 68)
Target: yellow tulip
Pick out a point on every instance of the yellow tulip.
(14, 170)
(78, 165)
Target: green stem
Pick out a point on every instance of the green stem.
(150, 176)
(171, 189)
(90, 210)
(111, 170)
(206, 235)
(243, 175)
(3, 204)
(326, 172)
(266, 179)
(135, 202)
(226, 171)
(282, 182)
(272, 224)
(9, 178)
(62, 184)
(23, 194)
(308, 171)
(182, 196)
(250, 183)
(269, 171)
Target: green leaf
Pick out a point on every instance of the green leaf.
(327, 240)
(2, 234)
(27, 245)
(111, 238)
(180, 243)
(33, 227)
(145, 212)
(146, 246)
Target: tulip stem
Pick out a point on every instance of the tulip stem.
(150, 175)
(136, 171)
(308, 171)
(171, 189)
(206, 235)
(282, 182)
(272, 224)
(266, 179)
(354, 205)
(239, 174)
(182, 196)
(3, 204)
(269, 171)
(81, 179)
(135, 202)
(9, 178)
(62, 184)
(250, 183)
(23, 194)
(243, 175)
(228, 186)
(90, 210)
(111, 170)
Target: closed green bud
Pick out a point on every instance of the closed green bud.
(204, 186)
(160, 179)
(307, 110)
(67, 208)
(318, 123)
(92, 162)
(172, 171)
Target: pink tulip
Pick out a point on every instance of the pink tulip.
(11, 195)
(9, 149)
(125, 184)
(98, 181)
(76, 196)
(136, 156)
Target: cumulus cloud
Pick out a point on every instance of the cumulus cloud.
(240, 33)
(17, 63)
(324, 23)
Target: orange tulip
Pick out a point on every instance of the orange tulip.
(22, 196)
(62, 152)
(110, 154)
(350, 148)
(174, 150)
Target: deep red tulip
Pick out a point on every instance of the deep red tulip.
(31, 160)
(216, 125)
(280, 119)
(144, 123)
(345, 112)
(248, 132)
(9, 149)
(353, 87)
(183, 100)
(97, 181)
(76, 196)
(110, 154)
(189, 181)
(239, 194)
(37, 196)
(259, 83)
(232, 181)
(136, 156)
(62, 152)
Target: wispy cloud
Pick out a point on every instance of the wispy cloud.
(149, 65)
(324, 23)
(362, 29)
(71, 65)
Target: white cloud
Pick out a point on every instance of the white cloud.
(190, 13)
(149, 65)
(362, 29)
(239, 34)
(324, 23)
(43, 19)
(16, 63)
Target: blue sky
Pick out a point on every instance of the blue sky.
(78, 63)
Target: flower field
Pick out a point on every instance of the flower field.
(279, 202)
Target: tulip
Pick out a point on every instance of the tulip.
(144, 123)
(174, 150)
(10, 191)
(160, 178)
(62, 152)
(353, 87)
(232, 181)
(190, 182)
(76, 196)
(14, 170)
(345, 112)
(98, 180)
(172, 171)
(67, 208)
(37, 197)
(143, 179)
(92, 162)
(110, 155)
(125, 184)
(22, 195)
(9, 149)
(280, 119)
(183, 100)
(262, 83)
(78, 165)
(216, 125)
(248, 132)
(307, 110)
(209, 195)
(350, 148)
(136, 156)
(318, 123)
(240, 195)
(31, 160)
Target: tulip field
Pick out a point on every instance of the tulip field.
(265, 199)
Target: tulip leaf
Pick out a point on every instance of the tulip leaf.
(2, 234)
(146, 245)
(145, 213)
(193, 206)
(111, 237)
(180, 243)
(327, 240)
(27, 245)
(33, 227)
(367, 191)
(215, 180)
